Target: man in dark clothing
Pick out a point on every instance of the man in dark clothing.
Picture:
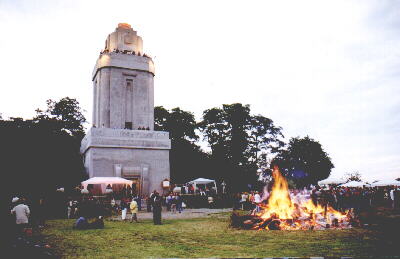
(156, 201)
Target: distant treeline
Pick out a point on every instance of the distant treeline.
(41, 154)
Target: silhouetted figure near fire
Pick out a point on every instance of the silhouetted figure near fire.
(156, 208)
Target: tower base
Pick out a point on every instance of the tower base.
(138, 155)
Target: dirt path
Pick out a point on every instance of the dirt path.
(186, 214)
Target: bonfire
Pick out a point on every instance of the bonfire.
(286, 210)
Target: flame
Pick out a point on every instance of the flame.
(283, 213)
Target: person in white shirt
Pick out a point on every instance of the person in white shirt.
(392, 197)
(243, 200)
(69, 208)
(257, 201)
(21, 212)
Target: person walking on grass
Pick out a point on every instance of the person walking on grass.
(156, 201)
(134, 210)
(21, 212)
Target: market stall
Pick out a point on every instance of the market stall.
(385, 183)
(354, 184)
(102, 182)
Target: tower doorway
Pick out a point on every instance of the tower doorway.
(136, 186)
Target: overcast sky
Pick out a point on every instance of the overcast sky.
(327, 69)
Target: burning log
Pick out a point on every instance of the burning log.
(280, 213)
(244, 221)
(274, 224)
(254, 222)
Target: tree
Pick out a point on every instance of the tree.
(304, 160)
(354, 176)
(161, 117)
(239, 142)
(187, 160)
(64, 115)
(265, 139)
(42, 154)
(180, 124)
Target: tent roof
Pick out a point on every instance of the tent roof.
(106, 180)
(202, 181)
(386, 183)
(331, 181)
(354, 184)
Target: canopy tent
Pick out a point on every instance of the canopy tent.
(354, 184)
(105, 181)
(331, 181)
(204, 181)
(386, 183)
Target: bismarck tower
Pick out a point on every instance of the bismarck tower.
(122, 141)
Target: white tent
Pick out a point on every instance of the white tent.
(331, 181)
(104, 181)
(354, 184)
(197, 181)
(386, 183)
(202, 181)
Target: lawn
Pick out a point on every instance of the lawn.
(210, 237)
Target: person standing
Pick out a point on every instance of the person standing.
(179, 201)
(113, 205)
(243, 200)
(134, 210)
(169, 201)
(392, 197)
(124, 208)
(152, 195)
(223, 185)
(69, 208)
(257, 201)
(21, 212)
(156, 201)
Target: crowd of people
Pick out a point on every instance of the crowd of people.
(89, 211)
(124, 52)
(122, 203)
(188, 188)
(338, 197)
(358, 198)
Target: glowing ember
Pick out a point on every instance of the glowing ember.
(293, 211)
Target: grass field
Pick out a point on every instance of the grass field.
(211, 237)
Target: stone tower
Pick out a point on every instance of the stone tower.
(122, 141)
